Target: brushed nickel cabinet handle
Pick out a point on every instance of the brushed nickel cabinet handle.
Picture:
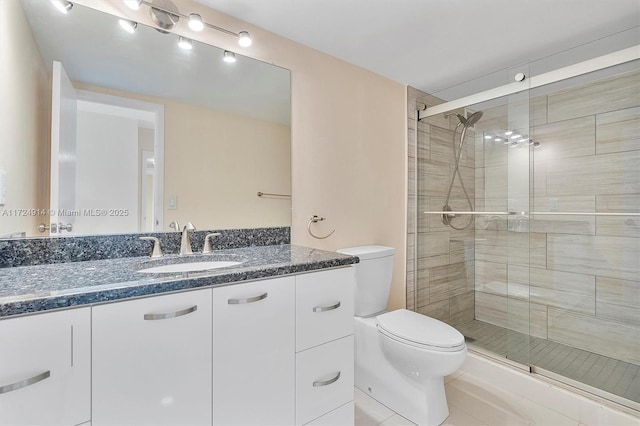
(24, 383)
(247, 300)
(326, 308)
(319, 383)
(167, 315)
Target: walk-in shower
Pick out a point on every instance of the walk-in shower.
(525, 234)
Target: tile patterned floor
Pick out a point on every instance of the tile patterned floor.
(611, 375)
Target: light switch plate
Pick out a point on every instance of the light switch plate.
(172, 202)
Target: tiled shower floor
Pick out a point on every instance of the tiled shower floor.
(611, 375)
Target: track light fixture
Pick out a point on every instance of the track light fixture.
(194, 20)
(63, 6)
(244, 39)
(128, 26)
(229, 57)
(185, 43)
(133, 4)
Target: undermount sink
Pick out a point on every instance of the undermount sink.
(189, 267)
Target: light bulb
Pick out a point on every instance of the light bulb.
(62, 5)
(488, 137)
(128, 26)
(244, 39)
(516, 136)
(229, 57)
(133, 4)
(185, 43)
(508, 133)
(195, 22)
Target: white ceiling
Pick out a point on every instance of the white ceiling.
(437, 44)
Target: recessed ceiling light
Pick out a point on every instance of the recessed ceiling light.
(488, 137)
(516, 136)
(498, 140)
(507, 133)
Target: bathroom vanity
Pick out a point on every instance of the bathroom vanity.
(267, 341)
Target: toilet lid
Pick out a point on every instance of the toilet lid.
(420, 329)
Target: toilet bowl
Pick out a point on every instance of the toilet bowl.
(401, 357)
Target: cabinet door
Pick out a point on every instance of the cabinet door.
(45, 369)
(254, 353)
(152, 361)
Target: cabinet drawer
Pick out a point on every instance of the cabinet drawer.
(45, 369)
(324, 306)
(324, 379)
(343, 416)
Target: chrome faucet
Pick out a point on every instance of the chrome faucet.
(185, 243)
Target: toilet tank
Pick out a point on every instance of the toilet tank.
(373, 278)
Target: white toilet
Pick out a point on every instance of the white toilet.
(401, 357)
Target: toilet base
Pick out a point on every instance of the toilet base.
(423, 403)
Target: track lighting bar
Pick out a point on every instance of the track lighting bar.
(195, 21)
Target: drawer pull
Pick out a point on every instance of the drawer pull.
(24, 383)
(319, 383)
(247, 300)
(167, 315)
(326, 308)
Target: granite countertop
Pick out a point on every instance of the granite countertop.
(29, 289)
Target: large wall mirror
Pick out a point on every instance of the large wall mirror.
(106, 131)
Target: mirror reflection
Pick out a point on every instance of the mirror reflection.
(106, 131)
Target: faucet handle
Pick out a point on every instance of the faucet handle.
(207, 244)
(175, 225)
(157, 251)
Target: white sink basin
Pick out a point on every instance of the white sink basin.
(189, 267)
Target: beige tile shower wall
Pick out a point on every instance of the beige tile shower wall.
(580, 274)
(444, 271)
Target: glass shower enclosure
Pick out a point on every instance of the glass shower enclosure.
(525, 235)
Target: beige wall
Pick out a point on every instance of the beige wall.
(24, 121)
(348, 139)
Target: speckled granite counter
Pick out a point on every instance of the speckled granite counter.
(29, 289)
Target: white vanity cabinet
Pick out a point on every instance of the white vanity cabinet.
(254, 353)
(152, 361)
(45, 367)
(325, 347)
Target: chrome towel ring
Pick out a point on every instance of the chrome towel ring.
(314, 219)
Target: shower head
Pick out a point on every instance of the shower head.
(471, 120)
